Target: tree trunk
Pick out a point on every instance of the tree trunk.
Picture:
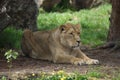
(19, 13)
(113, 38)
(114, 31)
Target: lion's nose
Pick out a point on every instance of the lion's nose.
(78, 41)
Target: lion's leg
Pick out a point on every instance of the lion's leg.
(63, 58)
(86, 59)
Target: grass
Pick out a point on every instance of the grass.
(94, 22)
(61, 75)
(93, 74)
(10, 38)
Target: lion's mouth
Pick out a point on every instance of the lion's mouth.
(76, 46)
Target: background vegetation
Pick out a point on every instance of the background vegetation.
(94, 22)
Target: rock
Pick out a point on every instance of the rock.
(19, 13)
(81, 4)
(49, 4)
(77, 4)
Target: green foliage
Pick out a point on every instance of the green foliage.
(117, 76)
(95, 74)
(10, 55)
(10, 38)
(3, 78)
(95, 25)
(80, 77)
(61, 75)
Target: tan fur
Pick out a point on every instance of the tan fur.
(61, 45)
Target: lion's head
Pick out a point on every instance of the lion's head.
(70, 35)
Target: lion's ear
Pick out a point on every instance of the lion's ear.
(78, 26)
(63, 28)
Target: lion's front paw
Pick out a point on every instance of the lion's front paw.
(92, 61)
(78, 62)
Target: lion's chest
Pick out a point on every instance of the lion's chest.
(70, 52)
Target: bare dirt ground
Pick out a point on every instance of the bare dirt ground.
(109, 64)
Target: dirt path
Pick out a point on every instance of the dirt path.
(110, 62)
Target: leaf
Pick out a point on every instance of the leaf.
(8, 52)
(8, 56)
(11, 55)
(15, 54)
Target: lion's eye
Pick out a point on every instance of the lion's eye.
(79, 33)
(71, 33)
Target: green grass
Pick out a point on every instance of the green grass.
(61, 75)
(116, 75)
(10, 38)
(94, 22)
(93, 74)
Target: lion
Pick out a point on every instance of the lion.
(61, 45)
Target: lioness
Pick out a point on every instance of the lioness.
(61, 45)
